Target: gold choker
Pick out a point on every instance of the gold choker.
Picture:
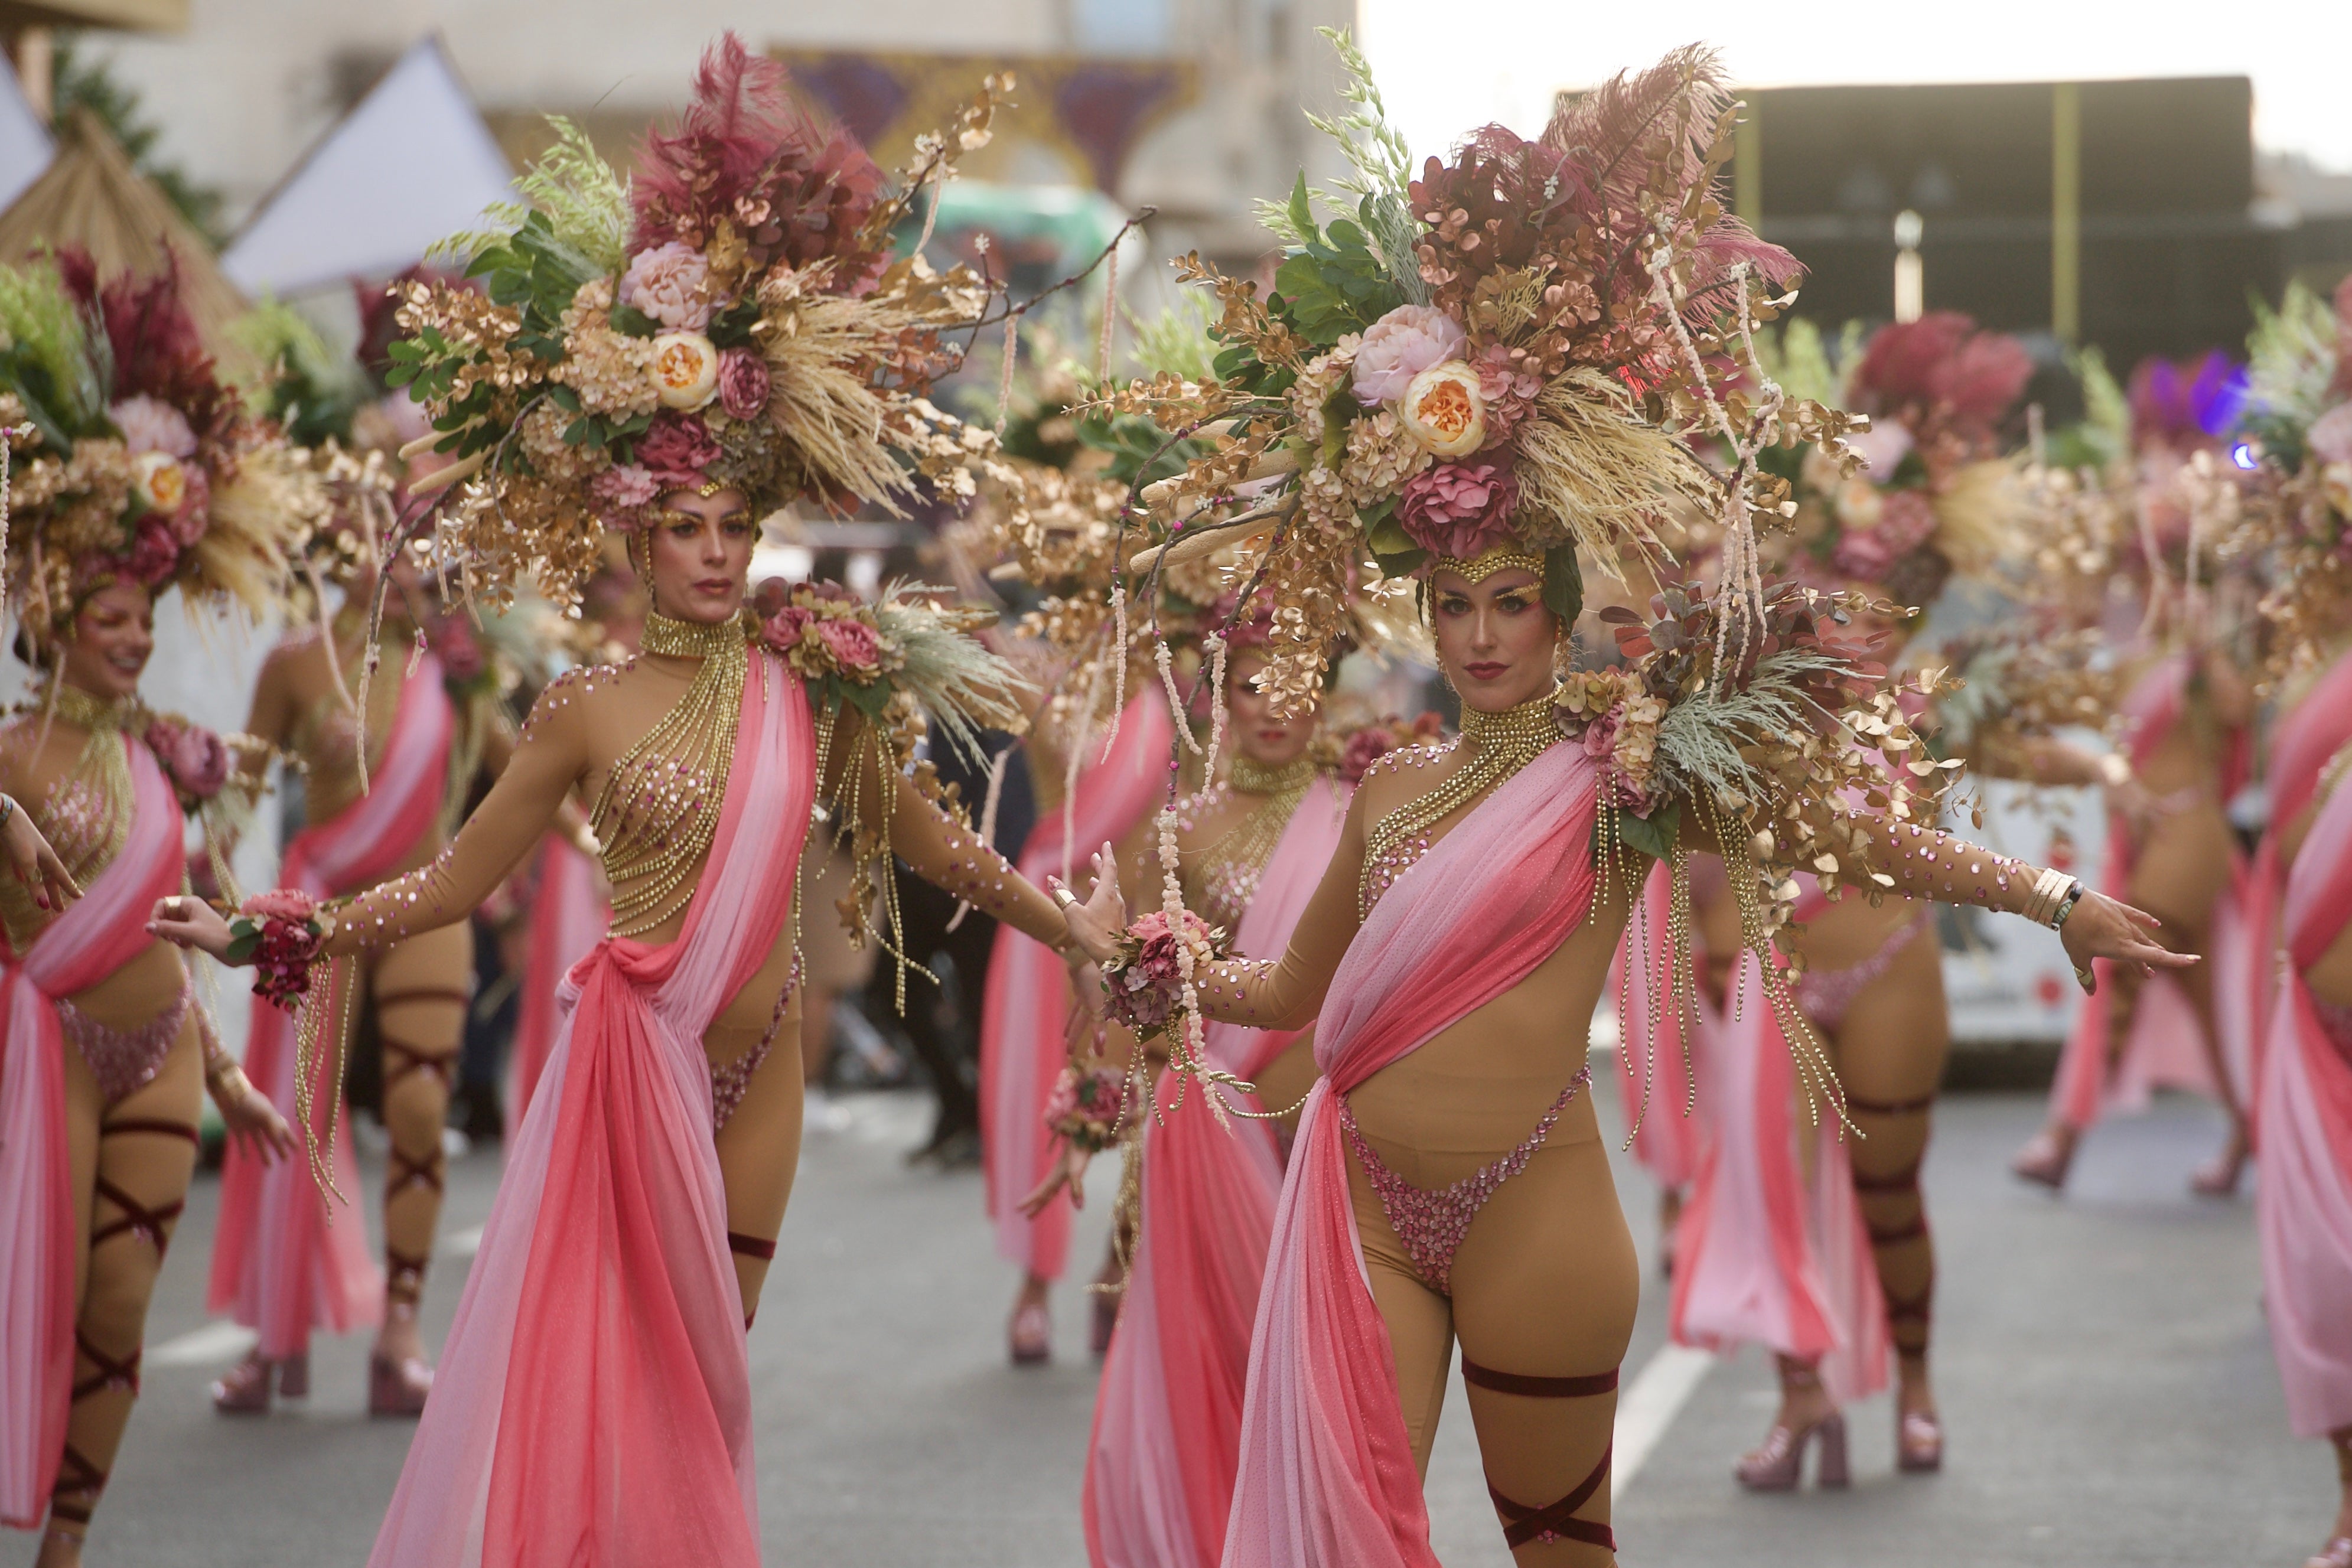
(86, 710)
(1529, 726)
(1248, 777)
(1505, 742)
(676, 639)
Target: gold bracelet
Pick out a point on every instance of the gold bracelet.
(2050, 895)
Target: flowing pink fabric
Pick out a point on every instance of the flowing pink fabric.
(2165, 1042)
(2246, 975)
(95, 937)
(594, 1403)
(1669, 1139)
(1025, 1006)
(281, 1262)
(1767, 1253)
(1326, 1478)
(2303, 1199)
(1168, 1410)
(567, 918)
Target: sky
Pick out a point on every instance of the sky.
(1447, 66)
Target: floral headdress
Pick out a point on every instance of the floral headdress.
(731, 316)
(132, 459)
(1507, 354)
(2298, 417)
(1934, 495)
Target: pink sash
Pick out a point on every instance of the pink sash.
(1762, 1255)
(594, 1403)
(1327, 1477)
(280, 1262)
(1168, 1411)
(567, 918)
(2164, 1043)
(1025, 1006)
(2246, 976)
(1669, 1139)
(94, 937)
(2303, 1199)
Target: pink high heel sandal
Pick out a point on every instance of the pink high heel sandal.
(1778, 1465)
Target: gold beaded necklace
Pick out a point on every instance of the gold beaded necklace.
(1224, 874)
(1506, 741)
(660, 806)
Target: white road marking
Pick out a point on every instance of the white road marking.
(1649, 1405)
(462, 1243)
(218, 1341)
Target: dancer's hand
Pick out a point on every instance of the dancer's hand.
(35, 863)
(1086, 983)
(253, 1123)
(1070, 1171)
(2102, 929)
(1096, 924)
(188, 922)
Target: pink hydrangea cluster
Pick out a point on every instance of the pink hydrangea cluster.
(624, 496)
(1459, 509)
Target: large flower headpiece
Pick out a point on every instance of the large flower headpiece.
(2298, 417)
(730, 315)
(1933, 495)
(132, 459)
(1505, 353)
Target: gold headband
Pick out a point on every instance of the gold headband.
(1501, 558)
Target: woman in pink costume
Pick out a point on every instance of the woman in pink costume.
(1026, 1005)
(602, 1331)
(108, 1054)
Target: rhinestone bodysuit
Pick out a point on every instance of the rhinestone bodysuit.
(1506, 741)
(1433, 1224)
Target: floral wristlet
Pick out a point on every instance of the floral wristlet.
(281, 933)
(1088, 1107)
(1144, 985)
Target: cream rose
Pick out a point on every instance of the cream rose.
(1444, 411)
(2336, 484)
(1859, 504)
(159, 481)
(686, 369)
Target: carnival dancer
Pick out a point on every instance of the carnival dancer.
(1449, 1177)
(138, 473)
(601, 1331)
(2185, 712)
(1773, 1240)
(1159, 1460)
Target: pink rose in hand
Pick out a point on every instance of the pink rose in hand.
(287, 904)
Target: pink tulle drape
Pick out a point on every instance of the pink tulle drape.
(1768, 1251)
(281, 1262)
(1025, 1006)
(594, 1402)
(2302, 1199)
(1327, 1477)
(94, 937)
(1168, 1411)
(567, 918)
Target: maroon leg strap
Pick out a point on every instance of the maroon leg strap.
(137, 1217)
(1479, 1376)
(1893, 1234)
(149, 1124)
(111, 1373)
(1522, 1524)
(435, 1063)
(1890, 1107)
(404, 1279)
(750, 1247)
(404, 1171)
(1905, 1180)
(76, 1474)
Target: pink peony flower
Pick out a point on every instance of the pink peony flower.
(154, 553)
(1364, 747)
(151, 424)
(1400, 346)
(1459, 509)
(855, 643)
(287, 904)
(783, 630)
(676, 451)
(196, 758)
(624, 495)
(668, 284)
(743, 383)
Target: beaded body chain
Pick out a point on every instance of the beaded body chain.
(1507, 742)
(1224, 876)
(660, 806)
(86, 814)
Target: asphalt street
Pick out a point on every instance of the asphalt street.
(2107, 1389)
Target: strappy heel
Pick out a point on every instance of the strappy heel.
(1031, 1335)
(1778, 1465)
(399, 1384)
(1556, 1521)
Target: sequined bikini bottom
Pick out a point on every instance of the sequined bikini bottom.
(1433, 1224)
(125, 1060)
(1825, 994)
